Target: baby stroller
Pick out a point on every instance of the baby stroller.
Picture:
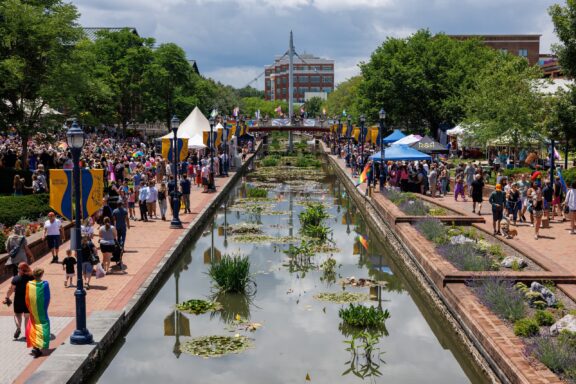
(117, 255)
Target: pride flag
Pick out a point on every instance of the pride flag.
(38, 327)
(363, 241)
(365, 173)
(562, 181)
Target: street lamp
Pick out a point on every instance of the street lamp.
(211, 184)
(382, 115)
(349, 134)
(362, 138)
(75, 137)
(175, 223)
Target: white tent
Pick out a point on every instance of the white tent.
(456, 131)
(410, 139)
(193, 125)
(196, 142)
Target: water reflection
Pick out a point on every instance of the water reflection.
(233, 304)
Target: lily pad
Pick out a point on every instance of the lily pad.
(198, 307)
(342, 297)
(244, 228)
(216, 346)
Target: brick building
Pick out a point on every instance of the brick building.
(527, 46)
(311, 74)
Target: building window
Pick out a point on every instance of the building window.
(283, 91)
(284, 80)
(327, 90)
(303, 79)
(315, 79)
(302, 90)
(314, 89)
(327, 68)
(327, 79)
(268, 84)
(523, 52)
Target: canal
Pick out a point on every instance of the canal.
(300, 337)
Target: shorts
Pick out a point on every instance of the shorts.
(477, 199)
(131, 204)
(53, 241)
(107, 248)
(524, 200)
(71, 275)
(497, 213)
(20, 307)
(87, 268)
(539, 213)
(556, 200)
(547, 204)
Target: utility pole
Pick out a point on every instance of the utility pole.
(290, 89)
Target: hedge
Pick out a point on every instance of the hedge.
(31, 207)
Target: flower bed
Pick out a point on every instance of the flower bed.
(411, 205)
(532, 313)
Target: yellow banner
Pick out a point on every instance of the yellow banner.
(374, 136)
(167, 148)
(92, 191)
(219, 137)
(356, 133)
(61, 192)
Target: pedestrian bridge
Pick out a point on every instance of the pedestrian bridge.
(289, 128)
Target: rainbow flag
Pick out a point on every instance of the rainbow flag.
(363, 241)
(365, 173)
(38, 327)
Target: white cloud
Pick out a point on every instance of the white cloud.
(238, 77)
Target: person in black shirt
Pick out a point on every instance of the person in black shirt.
(477, 186)
(548, 195)
(18, 287)
(68, 265)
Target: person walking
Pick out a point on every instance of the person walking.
(108, 238)
(89, 255)
(570, 203)
(142, 198)
(162, 193)
(477, 193)
(513, 202)
(459, 187)
(17, 247)
(68, 267)
(151, 200)
(37, 301)
(538, 209)
(433, 180)
(185, 187)
(121, 222)
(497, 199)
(523, 186)
(18, 288)
(53, 234)
(469, 172)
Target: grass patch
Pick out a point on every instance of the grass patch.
(433, 230)
(342, 297)
(557, 353)
(466, 257)
(526, 328)
(256, 193)
(502, 298)
(361, 317)
(215, 346)
(232, 274)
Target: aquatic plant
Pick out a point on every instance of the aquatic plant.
(342, 297)
(256, 193)
(232, 274)
(313, 215)
(269, 161)
(362, 347)
(244, 229)
(307, 162)
(362, 317)
(502, 298)
(215, 346)
(198, 307)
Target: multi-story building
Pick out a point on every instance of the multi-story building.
(311, 74)
(527, 46)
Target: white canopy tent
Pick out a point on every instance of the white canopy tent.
(196, 142)
(193, 125)
(410, 139)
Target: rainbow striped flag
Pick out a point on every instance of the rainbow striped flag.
(365, 173)
(38, 327)
(363, 241)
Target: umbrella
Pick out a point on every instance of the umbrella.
(137, 154)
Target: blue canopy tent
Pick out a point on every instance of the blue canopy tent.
(394, 136)
(400, 152)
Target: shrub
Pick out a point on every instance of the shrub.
(257, 193)
(558, 354)
(526, 328)
(500, 296)
(15, 208)
(544, 318)
(232, 274)
(465, 257)
(359, 316)
(432, 229)
(516, 171)
(314, 214)
(269, 161)
(414, 208)
(3, 239)
(569, 175)
(307, 162)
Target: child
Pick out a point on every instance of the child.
(68, 265)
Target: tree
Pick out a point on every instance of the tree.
(36, 42)
(564, 19)
(562, 118)
(344, 98)
(249, 91)
(249, 106)
(126, 57)
(313, 106)
(505, 102)
(420, 80)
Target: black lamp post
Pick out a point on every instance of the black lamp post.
(75, 137)
(349, 134)
(211, 184)
(362, 138)
(175, 223)
(382, 115)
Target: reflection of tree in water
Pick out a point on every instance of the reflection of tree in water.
(232, 304)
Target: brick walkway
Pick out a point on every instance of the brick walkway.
(146, 244)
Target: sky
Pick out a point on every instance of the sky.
(232, 40)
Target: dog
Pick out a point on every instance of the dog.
(508, 232)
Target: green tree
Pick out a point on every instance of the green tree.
(420, 80)
(249, 106)
(313, 107)
(36, 42)
(249, 91)
(127, 58)
(561, 118)
(564, 19)
(505, 102)
(344, 98)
